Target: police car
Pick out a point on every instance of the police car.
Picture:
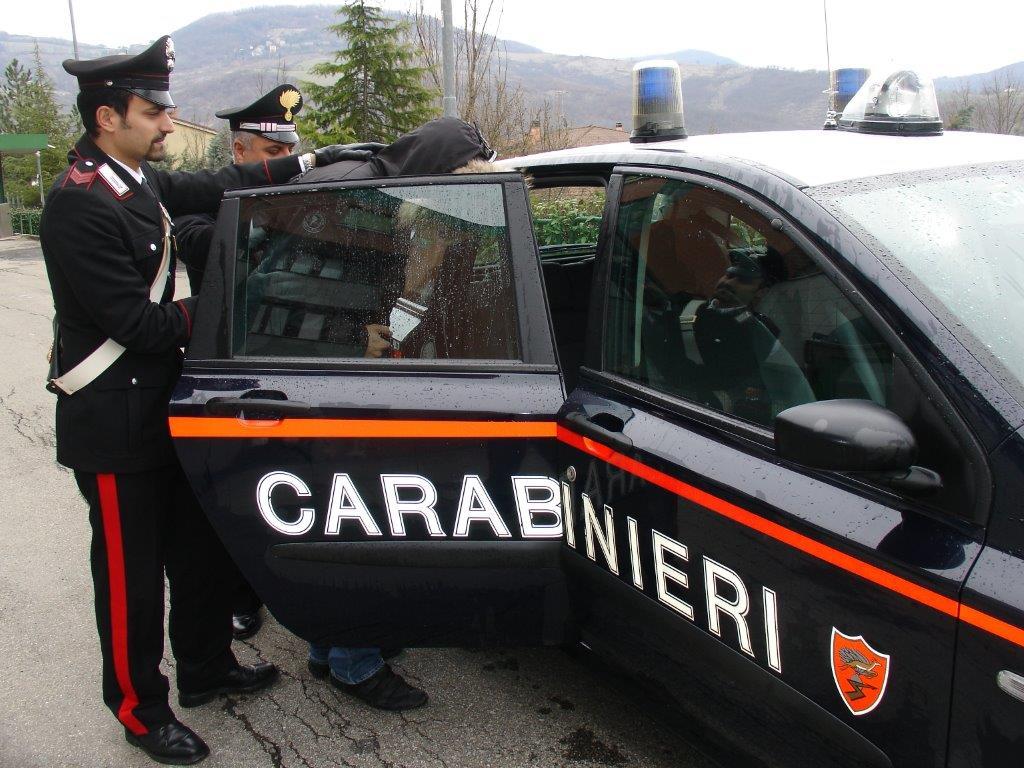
(759, 443)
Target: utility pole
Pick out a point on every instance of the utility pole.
(74, 36)
(39, 178)
(447, 59)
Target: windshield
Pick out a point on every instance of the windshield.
(957, 238)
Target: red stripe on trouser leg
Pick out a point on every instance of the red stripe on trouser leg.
(118, 602)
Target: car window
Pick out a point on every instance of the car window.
(709, 303)
(319, 274)
(566, 216)
(567, 222)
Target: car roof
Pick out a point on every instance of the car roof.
(804, 158)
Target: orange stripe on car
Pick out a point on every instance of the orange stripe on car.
(227, 427)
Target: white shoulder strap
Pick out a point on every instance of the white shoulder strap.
(109, 351)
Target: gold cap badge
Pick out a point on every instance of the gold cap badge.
(288, 100)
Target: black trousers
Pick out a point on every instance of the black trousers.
(243, 597)
(146, 524)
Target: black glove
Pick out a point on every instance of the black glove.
(338, 152)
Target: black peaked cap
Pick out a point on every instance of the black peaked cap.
(147, 74)
(272, 115)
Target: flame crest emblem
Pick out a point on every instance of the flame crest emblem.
(290, 100)
(859, 671)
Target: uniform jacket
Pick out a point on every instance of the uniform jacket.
(194, 234)
(102, 243)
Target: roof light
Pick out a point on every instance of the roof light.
(901, 102)
(843, 85)
(657, 102)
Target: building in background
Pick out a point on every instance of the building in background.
(579, 136)
(189, 141)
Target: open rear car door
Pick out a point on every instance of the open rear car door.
(409, 499)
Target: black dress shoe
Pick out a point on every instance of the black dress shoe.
(385, 689)
(245, 625)
(241, 679)
(171, 744)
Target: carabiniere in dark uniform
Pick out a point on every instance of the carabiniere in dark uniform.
(260, 131)
(106, 236)
(263, 130)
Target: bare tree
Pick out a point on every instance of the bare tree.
(475, 52)
(1001, 109)
(484, 93)
(957, 105)
(279, 75)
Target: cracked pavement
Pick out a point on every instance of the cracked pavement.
(503, 708)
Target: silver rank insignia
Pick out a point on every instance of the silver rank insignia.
(112, 180)
(169, 52)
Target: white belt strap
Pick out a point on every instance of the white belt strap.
(109, 351)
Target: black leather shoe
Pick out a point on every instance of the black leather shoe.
(245, 625)
(171, 744)
(385, 689)
(241, 679)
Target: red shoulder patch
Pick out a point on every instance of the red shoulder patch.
(81, 176)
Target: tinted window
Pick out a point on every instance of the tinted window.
(711, 304)
(320, 274)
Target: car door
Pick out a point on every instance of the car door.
(406, 499)
(987, 721)
(809, 617)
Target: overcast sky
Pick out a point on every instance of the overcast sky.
(940, 37)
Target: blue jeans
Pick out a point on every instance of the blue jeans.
(349, 665)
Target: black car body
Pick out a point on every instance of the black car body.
(760, 444)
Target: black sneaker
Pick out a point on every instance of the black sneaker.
(385, 689)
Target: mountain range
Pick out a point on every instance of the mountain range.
(228, 59)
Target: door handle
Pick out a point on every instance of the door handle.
(1011, 683)
(258, 404)
(603, 426)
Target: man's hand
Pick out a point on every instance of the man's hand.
(378, 340)
(337, 152)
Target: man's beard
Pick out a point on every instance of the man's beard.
(156, 152)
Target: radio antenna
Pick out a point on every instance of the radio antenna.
(830, 91)
(828, 55)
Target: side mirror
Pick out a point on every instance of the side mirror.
(855, 436)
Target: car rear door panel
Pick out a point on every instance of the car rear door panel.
(357, 581)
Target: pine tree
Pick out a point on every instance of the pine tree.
(378, 91)
(28, 104)
(218, 151)
(16, 85)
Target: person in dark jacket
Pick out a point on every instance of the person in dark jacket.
(445, 145)
(109, 250)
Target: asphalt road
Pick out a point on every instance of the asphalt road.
(521, 707)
